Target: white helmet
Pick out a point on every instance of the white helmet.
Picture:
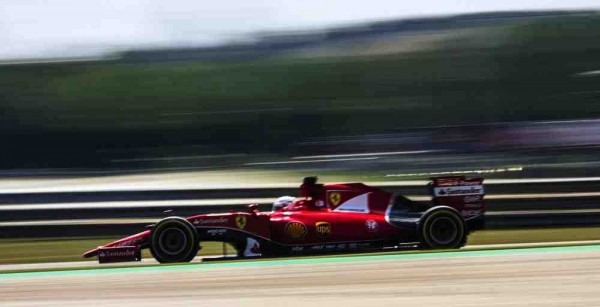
(282, 202)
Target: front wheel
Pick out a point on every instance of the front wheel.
(442, 229)
(174, 239)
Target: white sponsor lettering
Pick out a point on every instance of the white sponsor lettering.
(470, 183)
(470, 212)
(105, 254)
(131, 242)
(216, 232)
(221, 220)
(472, 199)
(119, 253)
(458, 191)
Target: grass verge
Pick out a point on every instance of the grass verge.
(14, 251)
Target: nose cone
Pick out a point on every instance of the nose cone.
(91, 253)
(139, 239)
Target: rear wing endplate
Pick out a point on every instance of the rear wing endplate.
(461, 193)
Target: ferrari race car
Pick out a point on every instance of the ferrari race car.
(343, 217)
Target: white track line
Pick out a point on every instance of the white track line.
(543, 195)
(116, 187)
(241, 201)
(238, 201)
(125, 221)
(137, 204)
(71, 222)
(84, 264)
(549, 212)
(310, 161)
(538, 244)
(410, 183)
(370, 154)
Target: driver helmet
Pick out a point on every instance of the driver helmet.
(282, 202)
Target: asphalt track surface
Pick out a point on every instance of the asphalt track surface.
(548, 276)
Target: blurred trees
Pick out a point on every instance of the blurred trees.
(86, 114)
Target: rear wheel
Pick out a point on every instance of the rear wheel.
(442, 228)
(174, 240)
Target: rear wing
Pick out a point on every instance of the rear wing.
(461, 193)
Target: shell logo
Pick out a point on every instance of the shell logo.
(295, 230)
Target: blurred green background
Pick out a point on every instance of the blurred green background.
(464, 70)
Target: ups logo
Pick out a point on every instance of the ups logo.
(323, 229)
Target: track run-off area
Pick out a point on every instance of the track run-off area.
(532, 276)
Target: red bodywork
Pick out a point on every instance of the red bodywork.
(348, 216)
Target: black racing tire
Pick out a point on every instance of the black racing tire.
(442, 229)
(464, 241)
(174, 239)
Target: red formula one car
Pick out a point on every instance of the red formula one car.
(326, 218)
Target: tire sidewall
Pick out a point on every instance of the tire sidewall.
(190, 249)
(428, 220)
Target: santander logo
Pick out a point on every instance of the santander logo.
(458, 191)
(204, 221)
(120, 253)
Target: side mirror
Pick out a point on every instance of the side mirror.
(310, 181)
(252, 208)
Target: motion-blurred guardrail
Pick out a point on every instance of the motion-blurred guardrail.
(511, 203)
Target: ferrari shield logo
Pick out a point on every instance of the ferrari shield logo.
(335, 198)
(240, 221)
(323, 229)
